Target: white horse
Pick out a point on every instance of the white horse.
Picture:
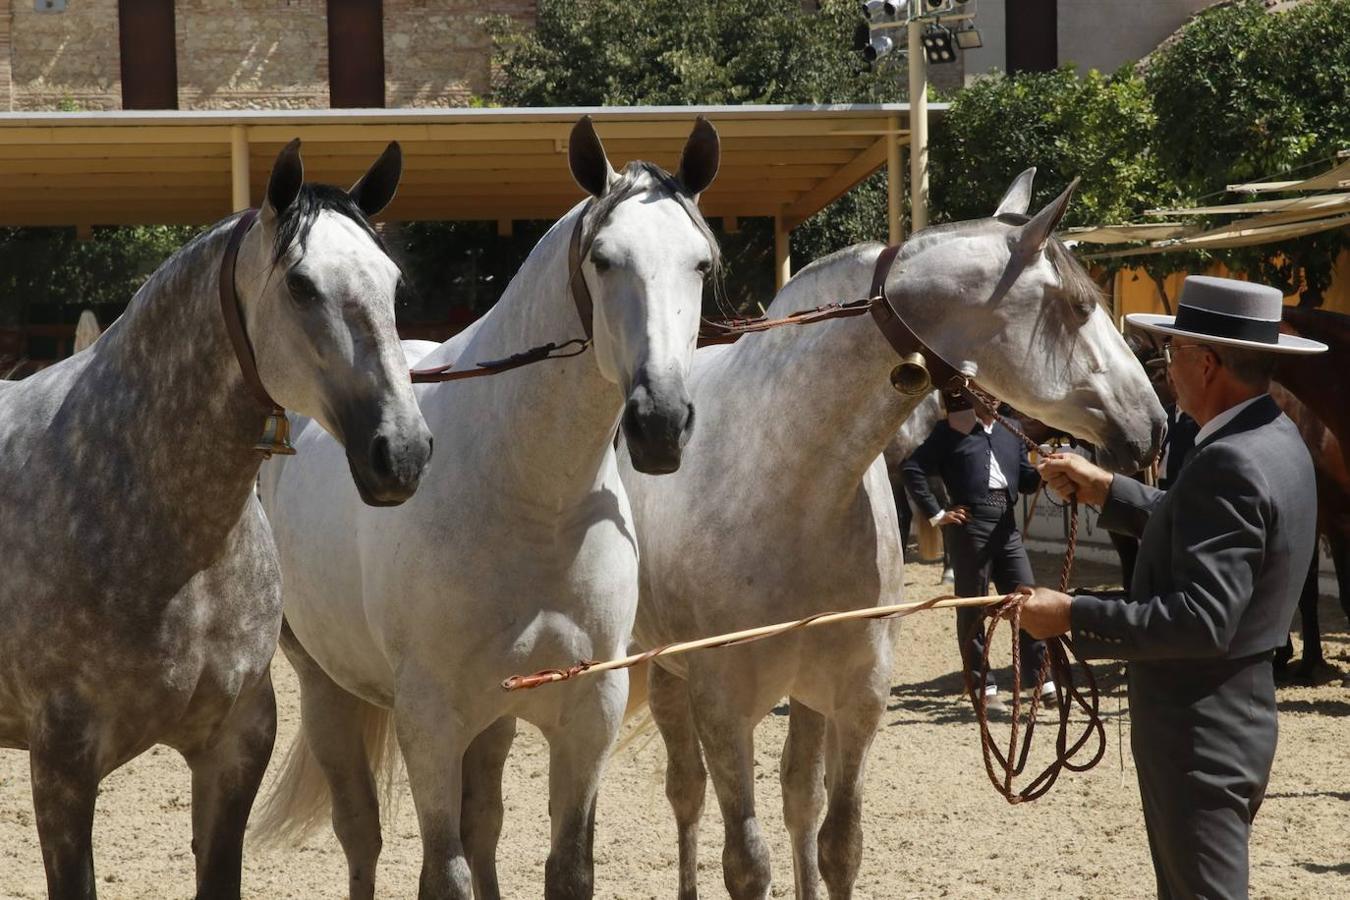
(517, 553)
(783, 510)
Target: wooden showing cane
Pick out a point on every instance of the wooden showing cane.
(896, 611)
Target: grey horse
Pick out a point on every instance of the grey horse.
(141, 600)
(782, 510)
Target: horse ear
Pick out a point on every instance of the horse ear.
(1017, 198)
(373, 191)
(586, 157)
(288, 174)
(701, 157)
(1033, 236)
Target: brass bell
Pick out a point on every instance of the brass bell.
(911, 377)
(276, 436)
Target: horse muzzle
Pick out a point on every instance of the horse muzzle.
(388, 466)
(657, 421)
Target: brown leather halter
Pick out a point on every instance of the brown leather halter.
(276, 428)
(581, 298)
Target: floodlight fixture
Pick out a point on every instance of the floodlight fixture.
(879, 46)
(938, 46)
(968, 38)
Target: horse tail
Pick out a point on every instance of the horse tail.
(637, 715)
(299, 801)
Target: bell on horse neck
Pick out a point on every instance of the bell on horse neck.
(276, 436)
(910, 377)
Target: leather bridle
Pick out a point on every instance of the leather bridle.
(276, 429)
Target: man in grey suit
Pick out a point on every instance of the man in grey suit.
(1222, 558)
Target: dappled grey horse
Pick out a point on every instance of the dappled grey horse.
(783, 510)
(518, 554)
(141, 599)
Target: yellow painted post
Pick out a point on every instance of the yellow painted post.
(894, 183)
(239, 191)
(782, 254)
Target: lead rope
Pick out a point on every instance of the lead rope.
(1057, 663)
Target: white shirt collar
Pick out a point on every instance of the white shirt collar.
(1209, 428)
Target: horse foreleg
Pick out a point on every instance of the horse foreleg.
(578, 745)
(225, 780)
(686, 779)
(726, 729)
(433, 744)
(338, 729)
(802, 773)
(848, 738)
(481, 809)
(1339, 545)
(65, 779)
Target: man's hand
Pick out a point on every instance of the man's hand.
(1068, 473)
(957, 515)
(1046, 613)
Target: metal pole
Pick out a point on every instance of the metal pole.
(918, 129)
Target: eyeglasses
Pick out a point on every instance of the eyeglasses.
(1169, 350)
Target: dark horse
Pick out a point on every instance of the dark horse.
(1315, 393)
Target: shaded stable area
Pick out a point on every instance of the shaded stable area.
(503, 166)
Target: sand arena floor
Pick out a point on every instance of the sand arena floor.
(934, 826)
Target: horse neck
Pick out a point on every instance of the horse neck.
(826, 408)
(555, 419)
(170, 401)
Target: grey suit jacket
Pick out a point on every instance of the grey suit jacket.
(1222, 555)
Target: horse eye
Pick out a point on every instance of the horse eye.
(704, 267)
(302, 289)
(601, 264)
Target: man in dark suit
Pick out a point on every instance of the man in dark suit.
(1222, 559)
(983, 467)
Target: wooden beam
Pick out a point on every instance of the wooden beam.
(832, 188)
(239, 186)
(782, 252)
(895, 182)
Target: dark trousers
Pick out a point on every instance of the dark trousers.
(902, 509)
(989, 546)
(1203, 736)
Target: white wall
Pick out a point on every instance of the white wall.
(1093, 34)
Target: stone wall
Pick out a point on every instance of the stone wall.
(252, 54)
(437, 53)
(64, 59)
(246, 54)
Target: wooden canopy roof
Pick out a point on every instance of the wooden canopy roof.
(170, 167)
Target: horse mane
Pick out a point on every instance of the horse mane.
(296, 220)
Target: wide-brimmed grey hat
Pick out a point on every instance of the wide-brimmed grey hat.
(1228, 311)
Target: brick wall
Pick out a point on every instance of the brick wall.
(245, 54)
(63, 59)
(436, 52)
(252, 54)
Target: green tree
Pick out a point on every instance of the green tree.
(1243, 94)
(1092, 126)
(49, 274)
(654, 52)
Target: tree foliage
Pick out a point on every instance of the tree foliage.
(1242, 94)
(1092, 126)
(50, 269)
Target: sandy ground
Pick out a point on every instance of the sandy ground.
(935, 827)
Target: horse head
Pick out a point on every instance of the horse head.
(646, 252)
(317, 288)
(1008, 304)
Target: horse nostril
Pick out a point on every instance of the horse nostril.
(381, 457)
